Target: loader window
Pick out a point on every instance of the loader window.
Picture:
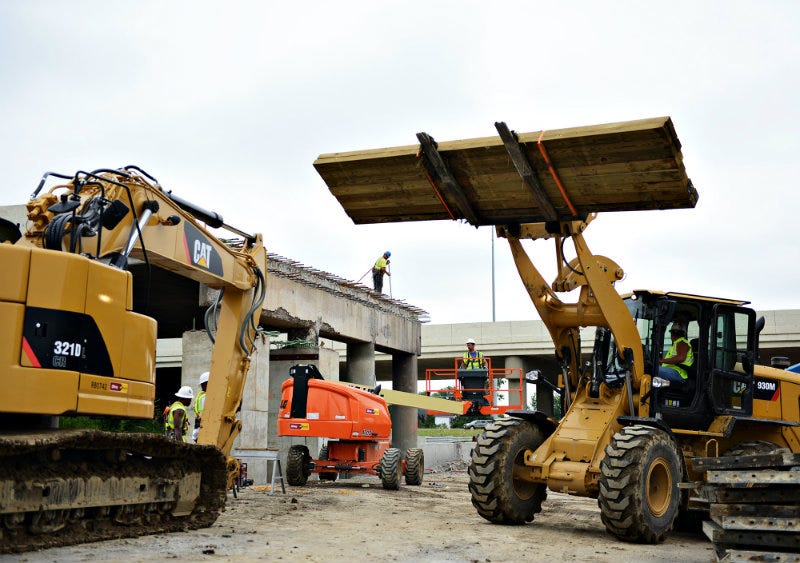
(732, 343)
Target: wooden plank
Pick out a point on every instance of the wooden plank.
(750, 556)
(764, 518)
(751, 495)
(626, 166)
(749, 478)
(782, 458)
(718, 535)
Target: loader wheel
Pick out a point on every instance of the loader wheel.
(498, 478)
(297, 470)
(639, 497)
(415, 466)
(391, 468)
(326, 475)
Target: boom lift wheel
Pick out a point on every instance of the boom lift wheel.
(415, 466)
(497, 474)
(391, 469)
(639, 497)
(297, 469)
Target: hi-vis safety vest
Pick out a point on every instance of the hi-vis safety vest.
(673, 350)
(474, 362)
(380, 264)
(199, 403)
(169, 425)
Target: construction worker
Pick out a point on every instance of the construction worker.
(199, 403)
(380, 268)
(176, 423)
(678, 357)
(472, 358)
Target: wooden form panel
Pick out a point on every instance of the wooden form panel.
(628, 166)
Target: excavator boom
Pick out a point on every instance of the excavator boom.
(75, 346)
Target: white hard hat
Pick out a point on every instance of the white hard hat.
(185, 392)
(470, 341)
(203, 378)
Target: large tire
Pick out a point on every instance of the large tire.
(639, 497)
(415, 466)
(500, 493)
(297, 470)
(326, 475)
(391, 469)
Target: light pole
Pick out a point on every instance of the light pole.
(491, 235)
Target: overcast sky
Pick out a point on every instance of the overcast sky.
(229, 103)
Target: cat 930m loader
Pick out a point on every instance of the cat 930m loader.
(628, 437)
(74, 345)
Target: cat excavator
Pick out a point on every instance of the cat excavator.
(628, 436)
(73, 345)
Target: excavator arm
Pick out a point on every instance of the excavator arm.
(115, 216)
(74, 346)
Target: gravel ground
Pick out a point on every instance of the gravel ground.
(357, 520)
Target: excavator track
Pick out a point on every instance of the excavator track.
(64, 487)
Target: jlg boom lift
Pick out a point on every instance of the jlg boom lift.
(355, 422)
(628, 437)
(73, 345)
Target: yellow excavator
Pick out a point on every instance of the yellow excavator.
(629, 433)
(75, 346)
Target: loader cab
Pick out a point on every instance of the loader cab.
(723, 338)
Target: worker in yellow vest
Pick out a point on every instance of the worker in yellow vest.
(176, 423)
(381, 267)
(199, 404)
(472, 359)
(678, 357)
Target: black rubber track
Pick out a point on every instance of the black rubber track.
(639, 497)
(415, 466)
(297, 461)
(27, 458)
(497, 494)
(391, 468)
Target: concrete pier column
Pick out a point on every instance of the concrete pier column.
(514, 383)
(404, 419)
(360, 366)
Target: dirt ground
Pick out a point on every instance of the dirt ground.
(357, 520)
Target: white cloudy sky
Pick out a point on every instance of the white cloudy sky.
(229, 103)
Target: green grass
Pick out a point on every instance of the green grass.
(448, 432)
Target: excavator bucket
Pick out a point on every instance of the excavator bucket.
(534, 177)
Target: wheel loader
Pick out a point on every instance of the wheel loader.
(628, 436)
(75, 346)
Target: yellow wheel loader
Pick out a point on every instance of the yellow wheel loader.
(630, 432)
(73, 345)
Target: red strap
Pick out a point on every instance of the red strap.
(436, 191)
(542, 150)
